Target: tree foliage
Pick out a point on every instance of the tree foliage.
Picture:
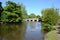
(38, 16)
(13, 12)
(1, 9)
(50, 16)
(32, 15)
(24, 12)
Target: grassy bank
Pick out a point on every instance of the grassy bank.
(52, 36)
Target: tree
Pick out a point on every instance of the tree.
(32, 15)
(24, 12)
(1, 9)
(38, 16)
(50, 16)
(13, 12)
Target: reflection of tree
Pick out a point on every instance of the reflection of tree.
(0, 31)
(13, 31)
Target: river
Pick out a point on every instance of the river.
(24, 31)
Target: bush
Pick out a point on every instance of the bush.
(50, 17)
(47, 27)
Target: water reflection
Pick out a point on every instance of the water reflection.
(22, 31)
(36, 34)
(12, 31)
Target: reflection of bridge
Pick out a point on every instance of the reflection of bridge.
(32, 19)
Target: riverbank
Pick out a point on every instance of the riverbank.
(11, 22)
(53, 35)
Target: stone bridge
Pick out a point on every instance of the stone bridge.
(32, 19)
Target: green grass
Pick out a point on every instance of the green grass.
(52, 36)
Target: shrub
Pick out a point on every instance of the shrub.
(47, 27)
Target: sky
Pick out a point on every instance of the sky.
(36, 6)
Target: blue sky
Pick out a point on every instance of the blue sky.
(36, 6)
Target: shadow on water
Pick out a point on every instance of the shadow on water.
(24, 31)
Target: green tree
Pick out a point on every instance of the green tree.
(50, 16)
(38, 16)
(13, 12)
(1, 9)
(24, 12)
(32, 15)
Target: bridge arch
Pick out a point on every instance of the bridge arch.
(32, 19)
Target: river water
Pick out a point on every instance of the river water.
(24, 31)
